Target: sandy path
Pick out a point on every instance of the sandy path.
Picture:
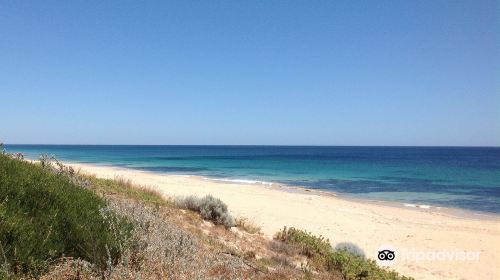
(367, 225)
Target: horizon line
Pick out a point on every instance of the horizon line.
(262, 145)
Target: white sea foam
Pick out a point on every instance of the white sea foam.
(423, 206)
(410, 205)
(241, 181)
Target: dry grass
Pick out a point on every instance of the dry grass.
(247, 225)
(68, 268)
(128, 185)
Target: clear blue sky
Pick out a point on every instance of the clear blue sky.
(250, 72)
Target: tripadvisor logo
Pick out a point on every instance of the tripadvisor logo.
(386, 255)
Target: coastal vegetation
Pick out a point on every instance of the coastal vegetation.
(247, 225)
(56, 223)
(44, 216)
(209, 207)
(350, 263)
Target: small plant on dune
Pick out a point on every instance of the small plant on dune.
(210, 208)
(214, 209)
(247, 225)
(308, 244)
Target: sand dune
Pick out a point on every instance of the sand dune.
(463, 247)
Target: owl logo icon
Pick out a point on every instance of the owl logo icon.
(386, 255)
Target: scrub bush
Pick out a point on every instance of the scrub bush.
(210, 208)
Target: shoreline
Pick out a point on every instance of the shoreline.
(456, 212)
(460, 213)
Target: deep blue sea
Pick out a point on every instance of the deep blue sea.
(459, 177)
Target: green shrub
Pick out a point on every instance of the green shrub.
(45, 216)
(354, 267)
(322, 256)
(209, 207)
(308, 244)
(214, 209)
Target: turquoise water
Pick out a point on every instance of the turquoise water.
(462, 177)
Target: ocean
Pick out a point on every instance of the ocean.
(458, 177)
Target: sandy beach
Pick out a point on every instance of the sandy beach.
(429, 243)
